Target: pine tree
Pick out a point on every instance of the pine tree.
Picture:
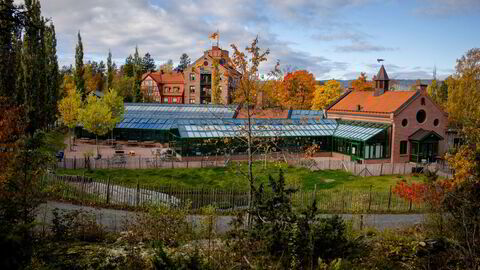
(184, 62)
(79, 68)
(109, 71)
(148, 63)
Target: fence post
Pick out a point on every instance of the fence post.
(138, 192)
(410, 207)
(74, 163)
(390, 198)
(370, 198)
(404, 167)
(108, 190)
(393, 168)
(381, 168)
(139, 162)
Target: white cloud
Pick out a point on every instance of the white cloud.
(447, 7)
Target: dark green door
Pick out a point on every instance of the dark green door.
(355, 151)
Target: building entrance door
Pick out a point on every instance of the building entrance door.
(355, 151)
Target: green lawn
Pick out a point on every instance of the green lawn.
(232, 177)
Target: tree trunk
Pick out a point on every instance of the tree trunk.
(250, 164)
(96, 143)
(70, 137)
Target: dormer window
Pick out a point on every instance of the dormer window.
(359, 107)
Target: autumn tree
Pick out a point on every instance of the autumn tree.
(326, 94)
(114, 102)
(438, 92)
(297, 90)
(79, 68)
(69, 108)
(464, 97)
(247, 64)
(96, 117)
(361, 83)
(216, 88)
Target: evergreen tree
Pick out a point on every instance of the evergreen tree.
(128, 66)
(7, 50)
(101, 68)
(33, 66)
(19, 82)
(53, 76)
(79, 68)
(137, 74)
(148, 63)
(184, 62)
(110, 70)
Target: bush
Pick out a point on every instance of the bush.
(160, 223)
(76, 225)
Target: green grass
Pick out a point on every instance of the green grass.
(232, 177)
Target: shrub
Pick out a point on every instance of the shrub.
(76, 225)
(160, 223)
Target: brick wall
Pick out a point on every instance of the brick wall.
(401, 133)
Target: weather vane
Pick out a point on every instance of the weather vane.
(379, 60)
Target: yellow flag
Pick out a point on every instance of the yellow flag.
(214, 36)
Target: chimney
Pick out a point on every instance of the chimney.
(422, 88)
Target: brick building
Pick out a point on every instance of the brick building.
(198, 77)
(416, 125)
(194, 84)
(163, 87)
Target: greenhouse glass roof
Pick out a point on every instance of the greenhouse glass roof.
(169, 111)
(299, 114)
(216, 121)
(260, 128)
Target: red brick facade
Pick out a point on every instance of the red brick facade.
(399, 109)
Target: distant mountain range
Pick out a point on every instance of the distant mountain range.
(399, 84)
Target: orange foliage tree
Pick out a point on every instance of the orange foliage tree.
(12, 127)
(297, 90)
(361, 83)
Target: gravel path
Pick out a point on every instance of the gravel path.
(114, 220)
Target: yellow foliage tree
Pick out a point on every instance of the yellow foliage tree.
(96, 117)
(115, 103)
(463, 101)
(326, 94)
(69, 109)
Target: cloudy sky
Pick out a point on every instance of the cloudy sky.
(331, 38)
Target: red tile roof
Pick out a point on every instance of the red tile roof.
(263, 113)
(173, 77)
(386, 103)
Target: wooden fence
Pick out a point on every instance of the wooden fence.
(371, 169)
(135, 163)
(86, 190)
(222, 161)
